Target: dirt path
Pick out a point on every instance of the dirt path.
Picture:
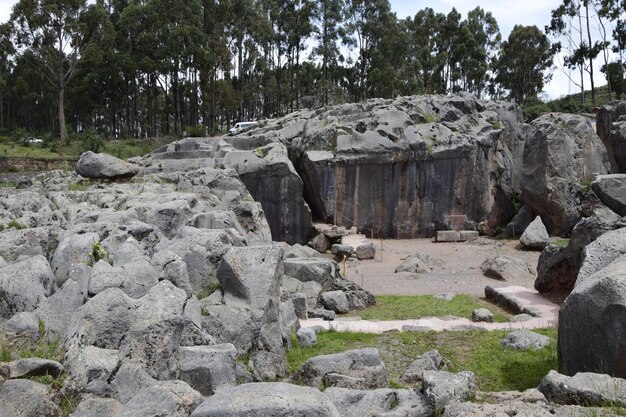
(460, 273)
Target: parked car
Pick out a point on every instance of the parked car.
(31, 141)
(241, 127)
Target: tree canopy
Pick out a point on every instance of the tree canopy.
(148, 68)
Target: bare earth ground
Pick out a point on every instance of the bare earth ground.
(460, 273)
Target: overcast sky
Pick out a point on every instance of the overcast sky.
(508, 13)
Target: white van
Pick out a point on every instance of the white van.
(241, 126)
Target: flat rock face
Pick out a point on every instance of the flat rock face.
(611, 128)
(380, 402)
(505, 268)
(361, 367)
(103, 166)
(535, 236)
(398, 168)
(267, 399)
(561, 154)
(611, 190)
(525, 339)
(590, 339)
(584, 388)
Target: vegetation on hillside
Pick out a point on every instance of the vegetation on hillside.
(128, 70)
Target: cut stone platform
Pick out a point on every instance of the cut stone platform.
(547, 316)
(454, 236)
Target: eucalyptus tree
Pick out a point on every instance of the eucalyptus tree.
(576, 15)
(57, 34)
(474, 50)
(328, 31)
(524, 58)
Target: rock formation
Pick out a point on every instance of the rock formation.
(562, 156)
(396, 168)
(611, 127)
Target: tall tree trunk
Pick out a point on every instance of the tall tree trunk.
(593, 90)
(62, 129)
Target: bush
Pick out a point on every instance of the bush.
(91, 141)
(533, 108)
(196, 132)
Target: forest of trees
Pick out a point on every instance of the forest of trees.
(150, 68)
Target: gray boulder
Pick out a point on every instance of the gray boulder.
(318, 270)
(251, 275)
(418, 263)
(519, 223)
(611, 128)
(558, 267)
(24, 368)
(506, 268)
(322, 313)
(365, 250)
(97, 407)
(202, 252)
(341, 251)
(521, 409)
(300, 305)
(273, 181)
(267, 399)
(26, 398)
(320, 243)
(103, 321)
(584, 388)
(128, 380)
(207, 368)
(72, 249)
(335, 301)
(525, 339)
(535, 236)
(169, 398)
(232, 324)
(611, 190)
(54, 310)
(25, 242)
(429, 361)
(482, 315)
(21, 330)
(587, 338)
(156, 330)
(23, 285)
(441, 388)
(103, 166)
(306, 337)
(561, 153)
(379, 402)
(364, 366)
(90, 369)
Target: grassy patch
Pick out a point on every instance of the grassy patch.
(430, 118)
(402, 307)
(124, 149)
(81, 185)
(561, 242)
(496, 368)
(208, 290)
(7, 184)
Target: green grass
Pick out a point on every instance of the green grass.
(208, 290)
(124, 149)
(480, 351)
(402, 307)
(561, 242)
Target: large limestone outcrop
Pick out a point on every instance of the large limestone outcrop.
(399, 168)
(562, 156)
(592, 320)
(611, 126)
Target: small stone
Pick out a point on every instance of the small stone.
(299, 304)
(306, 337)
(365, 251)
(525, 339)
(336, 301)
(341, 251)
(482, 315)
(322, 313)
(520, 318)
